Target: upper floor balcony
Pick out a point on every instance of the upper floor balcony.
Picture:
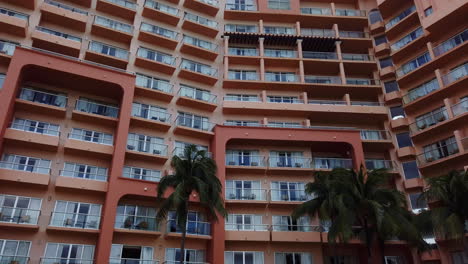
(155, 34)
(198, 72)
(112, 29)
(197, 98)
(353, 34)
(106, 54)
(27, 169)
(62, 14)
(331, 163)
(209, 7)
(451, 43)
(92, 107)
(429, 119)
(318, 32)
(281, 77)
(161, 12)
(460, 108)
(374, 164)
(153, 87)
(155, 60)
(84, 171)
(420, 91)
(246, 194)
(240, 28)
(413, 65)
(146, 147)
(6, 50)
(297, 162)
(279, 30)
(241, 6)
(316, 11)
(13, 22)
(19, 210)
(189, 124)
(56, 41)
(253, 161)
(136, 218)
(406, 19)
(289, 195)
(196, 225)
(43, 101)
(151, 116)
(411, 39)
(199, 48)
(200, 25)
(141, 174)
(90, 220)
(120, 8)
(455, 74)
(90, 142)
(350, 12)
(437, 151)
(375, 135)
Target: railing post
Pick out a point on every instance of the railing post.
(458, 139)
(448, 107)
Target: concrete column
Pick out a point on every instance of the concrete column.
(438, 75)
(338, 50)
(332, 7)
(261, 46)
(458, 138)
(301, 71)
(298, 28)
(264, 96)
(226, 45)
(305, 97)
(226, 67)
(265, 121)
(347, 99)
(448, 106)
(262, 69)
(335, 28)
(342, 73)
(260, 24)
(307, 123)
(430, 50)
(299, 48)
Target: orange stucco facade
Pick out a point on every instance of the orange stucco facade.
(96, 96)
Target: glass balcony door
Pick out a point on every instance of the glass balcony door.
(191, 256)
(74, 214)
(126, 254)
(18, 209)
(68, 254)
(14, 251)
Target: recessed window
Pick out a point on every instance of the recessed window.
(380, 39)
(410, 170)
(404, 140)
(397, 111)
(428, 11)
(417, 203)
(2, 79)
(387, 62)
(279, 4)
(391, 86)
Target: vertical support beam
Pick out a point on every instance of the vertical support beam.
(448, 107)
(298, 28)
(458, 139)
(264, 96)
(438, 75)
(430, 50)
(226, 67)
(347, 99)
(301, 71)
(338, 50)
(342, 73)
(226, 45)
(332, 7)
(261, 46)
(262, 69)
(299, 49)
(305, 97)
(335, 28)
(260, 24)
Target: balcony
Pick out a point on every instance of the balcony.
(289, 195)
(138, 225)
(280, 163)
(409, 44)
(112, 29)
(331, 163)
(161, 12)
(133, 261)
(246, 195)
(120, 8)
(240, 7)
(36, 171)
(444, 152)
(61, 14)
(451, 43)
(155, 61)
(151, 117)
(421, 91)
(358, 63)
(460, 108)
(375, 164)
(429, 120)
(455, 75)
(91, 111)
(47, 39)
(209, 7)
(196, 229)
(251, 163)
(247, 232)
(296, 233)
(29, 4)
(13, 22)
(80, 222)
(143, 149)
(376, 140)
(316, 11)
(281, 77)
(13, 216)
(82, 181)
(362, 82)
(198, 72)
(193, 126)
(90, 143)
(199, 48)
(406, 19)
(200, 25)
(32, 133)
(42, 102)
(322, 79)
(14, 259)
(246, 56)
(47, 260)
(153, 88)
(6, 51)
(413, 65)
(154, 34)
(107, 55)
(192, 97)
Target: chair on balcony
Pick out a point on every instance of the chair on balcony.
(68, 222)
(130, 147)
(298, 165)
(25, 219)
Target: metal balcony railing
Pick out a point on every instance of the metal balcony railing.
(124, 3)
(421, 91)
(113, 24)
(407, 39)
(49, 260)
(317, 32)
(243, 51)
(246, 227)
(247, 194)
(42, 97)
(289, 162)
(92, 136)
(37, 127)
(414, 64)
(319, 55)
(332, 163)
(375, 135)
(162, 7)
(460, 108)
(350, 12)
(153, 83)
(14, 259)
(315, 11)
(357, 57)
(131, 261)
(147, 147)
(322, 79)
(158, 31)
(17, 215)
(96, 108)
(361, 103)
(248, 161)
(236, 98)
(455, 74)
(281, 77)
(451, 43)
(197, 94)
(75, 220)
(327, 102)
(243, 76)
(288, 195)
(193, 227)
(438, 153)
(7, 48)
(214, 3)
(400, 17)
(197, 67)
(151, 114)
(66, 7)
(199, 43)
(241, 7)
(353, 34)
(14, 13)
(108, 50)
(201, 20)
(16, 165)
(429, 120)
(137, 222)
(84, 175)
(373, 164)
(57, 33)
(195, 123)
(296, 228)
(280, 53)
(362, 81)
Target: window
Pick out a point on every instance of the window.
(280, 77)
(2, 77)
(243, 158)
(387, 62)
(241, 123)
(19, 209)
(280, 30)
(173, 255)
(136, 217)
(141, 174)
(196, 223)
(24, 163)
(440, 149)
(58, 252)
(243, 257)
(293, 258)
(288, 191)
(244, 190)
(153, 83)
(287, 223)
(15, 251)
(240, 28)
(155, 56)
(280, 53)
(108, 50)
(242, 51)
(242, 97)
(242, 75)
(397, 111)
(410, 170)
(158, 30)
(242, 5)
(197, 67)
(404, 140)
(284, 124)
(196, 93)
(76, 214)
(380, 40)
(144, 143)
(76, 170)
(35, 126)
(391, 86)
(374, 16)
(180, 147)
(130, 254)
(151, 112)
(341, 260)
(284, 99)
(394, 260)
(193, 121)
(279, 4)
(428, 11)
(199, 43)
(245, 222)
(91, 136)
(287, 159)
(416, 203)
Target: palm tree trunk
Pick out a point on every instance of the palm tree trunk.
(382, 249)
(368, 242)
(182, 245)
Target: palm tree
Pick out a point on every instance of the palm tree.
(195, 172)
(450, 215)
(358, 205)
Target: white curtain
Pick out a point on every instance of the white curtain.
(228, 257)
(280, 258)
(258, 257)
(275, 193)
(147, 254)
(116, 253)
(258, 223)
(306, 258)
(170, 254)
(277, 223)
